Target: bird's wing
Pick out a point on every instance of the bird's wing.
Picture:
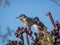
(40, 24)
(30, 20)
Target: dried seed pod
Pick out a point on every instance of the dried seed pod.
(9, 42)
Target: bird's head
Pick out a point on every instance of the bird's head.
(36, 19)
(22, 16)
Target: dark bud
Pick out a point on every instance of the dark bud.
(35, 34)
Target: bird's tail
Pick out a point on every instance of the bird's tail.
(45, 31)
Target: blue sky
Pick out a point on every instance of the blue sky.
(30, 8)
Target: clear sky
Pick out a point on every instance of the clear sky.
(30, 8)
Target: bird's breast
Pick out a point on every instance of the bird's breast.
(26, 22)
(37, 27)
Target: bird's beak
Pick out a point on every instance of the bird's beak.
(17, 17)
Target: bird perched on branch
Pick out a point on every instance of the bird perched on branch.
(26, 20)
(38, 25)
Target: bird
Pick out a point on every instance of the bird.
(38, 25)
(26, 20)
